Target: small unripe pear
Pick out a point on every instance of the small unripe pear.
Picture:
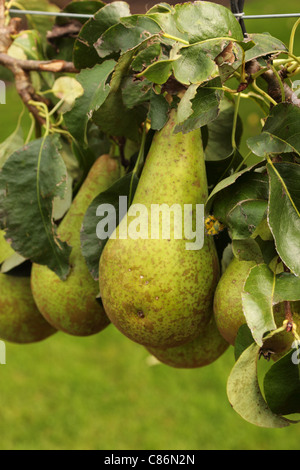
(20, 320)
(228, 307)
(202, 351)
(71, 306)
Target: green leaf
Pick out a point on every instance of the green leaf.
(205, 20)
(159, 72)
(287, 287)
(257, 298)
(247, 250)
(84, 54)
(194, 65)
(282, 384)
(96, 91)
(264, 44)
(249, 186)
(158, 113)
(92, 246)
(284, 215)
(11, 144)
(281, 132)
(244, 393)
(28, 219)
(205, 107)
(146, 57)
(126, 35)
(243, 340)
(243, 219)
(113, 117)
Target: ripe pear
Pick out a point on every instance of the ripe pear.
(71, 306)
(228, 308)
(20, 320)
(155, 291)
(202, 351)
(5, 249)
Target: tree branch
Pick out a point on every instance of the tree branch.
(38, 65)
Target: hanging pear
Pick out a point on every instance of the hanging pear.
(156, 285)
(200, 352)
(71, 306)
(20, 320)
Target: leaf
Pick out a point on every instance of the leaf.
(205, 20)
(158, 113)
(96, 90)
(245, 216)
(284, 215)
(245, 395)
(146, 57)
(282, 384)
(159, 72)
(265, 44)
(126, 35)
(219, 145)
(67, 89)
(287, 287)
(92, 246)
(249, 186)
(205, 106)
(281, 132)
(41, 177)
(247, 250)
(257, 298)
(113, 117)
(243, 340)
(11, 144)
(84, 54)
(194, 65)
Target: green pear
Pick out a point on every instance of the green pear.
(20, 320)
(228, 308)
(154, 289)
(5, 249)
(71, 305)
(200, 352)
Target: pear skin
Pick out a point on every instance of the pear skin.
(71, 306)
(157, 292)
(228, 307)
(20, 319)
(202, 351)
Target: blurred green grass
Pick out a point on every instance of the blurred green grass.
(101, 393)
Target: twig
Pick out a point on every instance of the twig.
(38, 65)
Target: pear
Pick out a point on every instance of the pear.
(5, 249)
(200, 352)
(228, 308)
(71, 305)
(20, 319)
(155, 291)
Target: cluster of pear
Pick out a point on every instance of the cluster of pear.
(156, 291)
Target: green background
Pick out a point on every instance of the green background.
(104, 392)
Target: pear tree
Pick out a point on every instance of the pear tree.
(148, 109)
